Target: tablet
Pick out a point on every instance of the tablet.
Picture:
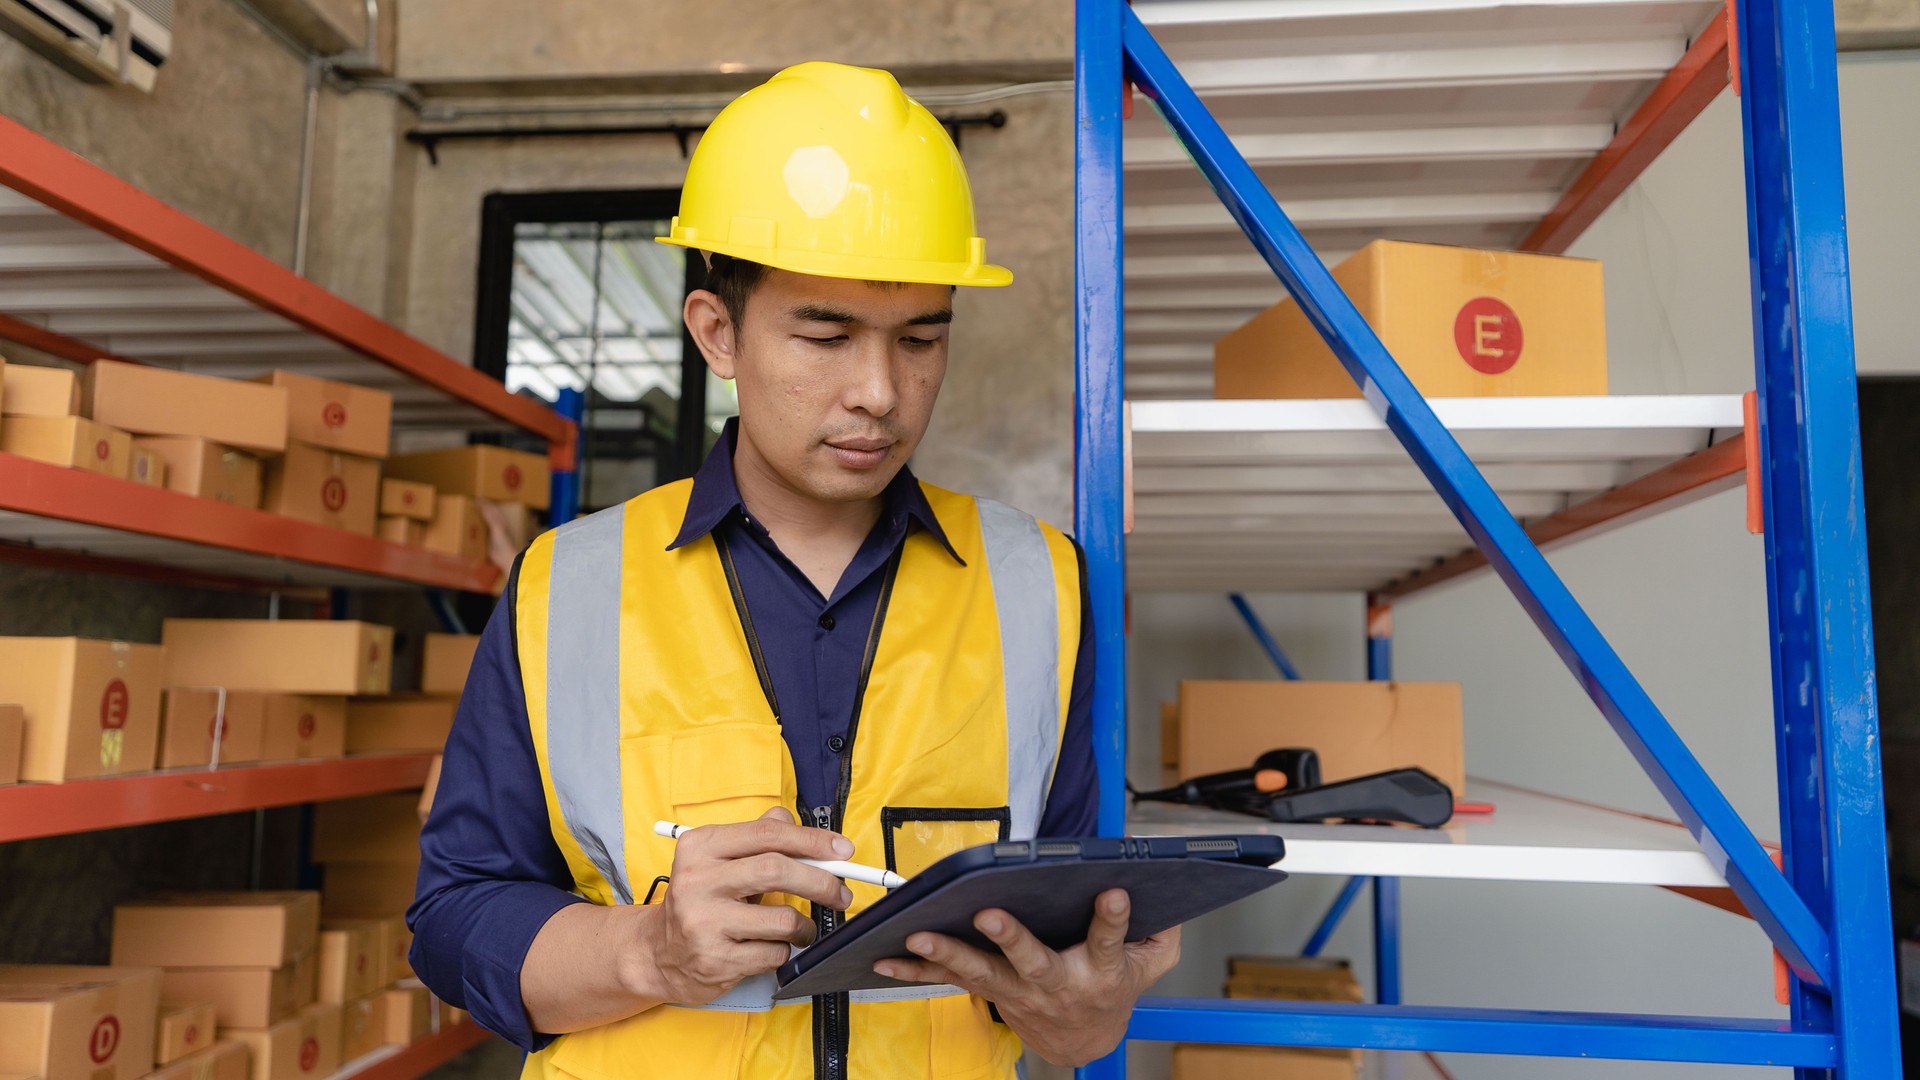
(1049, 885)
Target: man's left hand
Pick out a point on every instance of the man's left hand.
(1071, 1007)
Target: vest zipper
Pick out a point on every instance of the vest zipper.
(832, 1012)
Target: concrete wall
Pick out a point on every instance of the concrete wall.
(1680, 595)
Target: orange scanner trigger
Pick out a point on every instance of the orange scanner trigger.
(1269, 780)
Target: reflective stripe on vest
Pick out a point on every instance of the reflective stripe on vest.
(583, 690)
(1023, 593)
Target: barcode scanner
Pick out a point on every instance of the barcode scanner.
(1273, 772)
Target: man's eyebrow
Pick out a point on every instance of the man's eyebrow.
(822, 313)
(932, 318)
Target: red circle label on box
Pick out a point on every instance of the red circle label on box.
(1487, 333)
(360, 963)
(333, 494)
(104, 1040)
(309, 1055)
(334, 415)
(373, 652)
(511, 477)
(307, 725)
(101, 450)
(113, 709)
(193, 1035)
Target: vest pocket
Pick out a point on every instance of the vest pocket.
(916, 837)
(711, 775)
(966, 1043)
(677, 1042)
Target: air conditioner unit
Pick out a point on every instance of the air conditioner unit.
(122, 41)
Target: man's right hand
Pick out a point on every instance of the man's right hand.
(712, 931)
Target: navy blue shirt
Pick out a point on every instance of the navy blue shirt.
(490, 873)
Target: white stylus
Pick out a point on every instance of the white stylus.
(866, 875)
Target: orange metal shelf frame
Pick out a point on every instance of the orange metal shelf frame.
(418, 1059)
(123, 521)
(85, 193)
(28, 811)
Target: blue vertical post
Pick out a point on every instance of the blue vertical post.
(1386, 890)
(565, 503)
(1099, 418)
(1827, 725)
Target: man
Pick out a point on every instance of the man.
(802, 653)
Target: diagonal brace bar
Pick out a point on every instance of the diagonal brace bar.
(1258, 627)
(1725, 838)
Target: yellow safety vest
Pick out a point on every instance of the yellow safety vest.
(647, 702)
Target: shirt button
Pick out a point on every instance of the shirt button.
(826, 622)
(836, 744)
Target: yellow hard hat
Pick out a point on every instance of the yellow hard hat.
(832, 170)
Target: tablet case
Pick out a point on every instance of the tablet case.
(1049, 886)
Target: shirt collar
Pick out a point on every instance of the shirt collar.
(716, 497)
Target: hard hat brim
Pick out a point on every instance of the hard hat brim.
(856, 268)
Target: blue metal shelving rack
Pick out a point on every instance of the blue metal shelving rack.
(1828, 913)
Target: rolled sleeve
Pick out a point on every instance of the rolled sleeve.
(490, 873)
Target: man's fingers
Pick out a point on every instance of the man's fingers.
(920, 971)
(771, 922)
(971, 968)
(769, 872)
(768, 833)
(1031, 960)
(1107, 934)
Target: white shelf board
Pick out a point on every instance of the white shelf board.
(1528, 837)
(1319, 495)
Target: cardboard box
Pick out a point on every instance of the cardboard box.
(377, 828)
(253, 997)
(444, 662)
(183, 1030)
(336, 415)
(486, 472)
(407, 499)
(404, 1014)
(305, 1047)
(298, 656)
(326, 487)
(401, 962)
(1292, 978)
(13, 733)
(188, 719)
(362, 1030)
(418, 723)
(457, 528)
(513, 523)
(1197, 1062)
(1461, 322)
(371, 890)
(147, 467)
(400, 530)
(1357, 727)
(206, 469)
(64, 1022)
(297, 726)
(385, 935)
(225, 1060)
(350, 963)
(38, 391)
(216, 930)
(92, 708)
(154, 401)
(72, 441)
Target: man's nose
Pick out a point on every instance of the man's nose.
(870, 385)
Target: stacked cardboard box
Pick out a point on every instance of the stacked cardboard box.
(295, 656)
(476, 484)
(250, 955)
(206, 469)
(43, 416)
(1287, 978)
(444, 662)
(406, 508)
(402, 723)
(13, 734)
(369, 851)
(336, 435)
(61, 1022)
(252, 726)
(88, 708)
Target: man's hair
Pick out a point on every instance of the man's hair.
(733, 280)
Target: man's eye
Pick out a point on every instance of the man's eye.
(834, 340)
(918, 342)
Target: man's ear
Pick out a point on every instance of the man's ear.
(712, 330)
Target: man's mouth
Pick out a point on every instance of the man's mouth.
(860, 453)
